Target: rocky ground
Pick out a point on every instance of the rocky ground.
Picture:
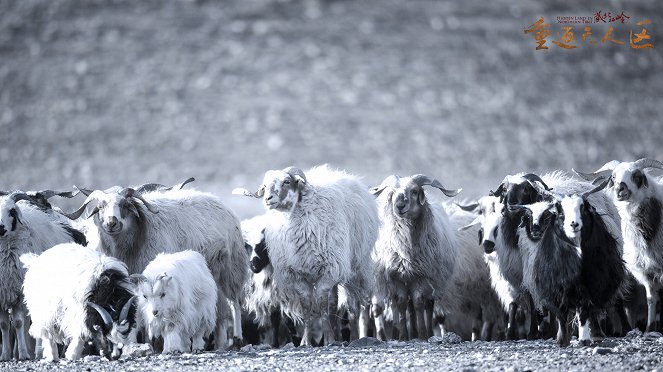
(633, 352)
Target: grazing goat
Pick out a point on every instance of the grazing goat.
(75, 294)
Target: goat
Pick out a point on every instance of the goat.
(638, 197)
(177, 296)
(135, 227)
(75, 294)
(27, 224)
(324, 227)
(416, 252)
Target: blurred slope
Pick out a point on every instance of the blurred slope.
(99, 93)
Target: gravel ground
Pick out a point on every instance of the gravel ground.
(633, 352)
(99, 93)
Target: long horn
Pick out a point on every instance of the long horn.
(477, 221)
(124, 313)
(469, 207)
(597, 188)
(245, 192)
(131, 193)
(423, 180)
(181, 185)
(20, 195)
(391, 181)
(94, 195)
(607, 167)
(531, 177)
(83, 191)
(105, 316)
(648, 163)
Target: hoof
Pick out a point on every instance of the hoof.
(381, 336)
(585, 342)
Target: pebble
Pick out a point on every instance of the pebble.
(601, 350)
(448, 338)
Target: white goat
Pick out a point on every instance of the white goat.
(324, 226)
(177, 296)
(25, 226)
(75, 294)
(416, 252)
(638, 197)
(135, 227)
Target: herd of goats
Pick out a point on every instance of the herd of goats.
(331, 259)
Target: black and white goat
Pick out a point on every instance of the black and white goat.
(639, 200)
(75, 294)
(573, 261)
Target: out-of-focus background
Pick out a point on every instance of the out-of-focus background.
(100, 93)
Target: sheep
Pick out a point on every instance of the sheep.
(135, 227)
(513, 298)
(638, 197)
(323, 226)
(26, 225)
(415, 253)
(177, 298)
(75, 294)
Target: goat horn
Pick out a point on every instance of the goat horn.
(124, 313)
(105, 316)
(423, 180)
(131, 193)
(469, 207)
(77, 213)
(609, 166)
(245, 192)
(531, 177)
(597, 188)
(83, 191)
(648, 163)
(188, 180)
(20, 195)
(477, 221)
(295, 172)
(391, 181)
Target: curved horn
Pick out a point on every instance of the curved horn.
(648, 163)
(475, 222)
(105, 316)
(181, 185)
(94, 195)
(597, 188)
(469, 207)
(83, 191)
(531, 177)
(124, 313)
(245, 192)
(607, 167)
(47, 194)
(131, 193)
(295, 172)
(391, 181)
(20, 195)
(423, 180)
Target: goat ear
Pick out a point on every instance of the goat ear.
(165, 278)
(16, 213)
(377, 190)
(132, 208)
(421, 196)
(645, 183)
